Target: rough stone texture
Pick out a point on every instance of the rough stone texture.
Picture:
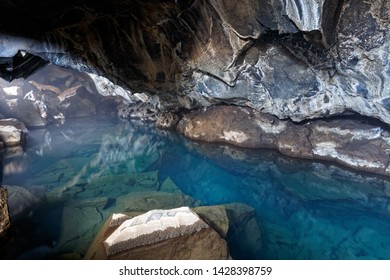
(295, 59)
(152, 227)
(4, 215)
(350, 142)
(184, 237)
(12, 132)
(53, 94)
(21, 199)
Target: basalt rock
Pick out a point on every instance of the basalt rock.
(4, 215)
(294, 59)
(350, 142)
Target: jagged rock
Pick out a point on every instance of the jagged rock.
(280, 57)
(4, 215)
(350, 142)
(160, 234)
(12, 132)
(167, 120)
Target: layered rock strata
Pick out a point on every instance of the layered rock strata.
(350, 142)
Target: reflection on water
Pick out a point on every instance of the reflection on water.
(72, 178)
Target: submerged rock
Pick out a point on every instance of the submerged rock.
(21, 199)
(160, 234)
(351, 142)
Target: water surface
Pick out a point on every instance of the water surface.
(70, 179)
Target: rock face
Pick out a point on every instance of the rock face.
(294, 59)
(160, 234)
(353, 143)
(53, 94)
(4, 215)
(12, 132)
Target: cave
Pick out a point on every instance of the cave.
(268, 119)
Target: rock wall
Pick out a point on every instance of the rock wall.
(351, 142)
(294, 59)
(4, 215)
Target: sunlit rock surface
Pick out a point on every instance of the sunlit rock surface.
(160, 234)
(351, 142)
(54, 94)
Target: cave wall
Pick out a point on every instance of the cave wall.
(294, 59)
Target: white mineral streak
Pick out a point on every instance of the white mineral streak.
(106, 88)
(328, 149)
(306, 14)
(151, 227)
(235, 136)
(357, 134)
(271, 128)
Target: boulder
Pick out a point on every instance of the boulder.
(4, 215)
(353, 142)
(159, 234)
(145, 201)
(12, 132)
(168, 120)
(21, 199)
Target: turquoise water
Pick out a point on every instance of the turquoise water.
(70, 179)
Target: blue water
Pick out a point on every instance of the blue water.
(78, 174)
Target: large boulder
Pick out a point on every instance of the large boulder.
(12, 132)
(159, 234)
(352, 142)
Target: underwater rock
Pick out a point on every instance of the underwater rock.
(216, 217)
(4, 215)
(244, 229)
(21, 199)
(160, 234)
(79, 225)
(169, 186)
(145, 201)
(354, 143)
(12, 132)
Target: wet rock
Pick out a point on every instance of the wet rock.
(169, 186)
(4, 215)
(21, 199)
(145, 201)
(12, 132)
(160, 234)
(216, 217)
(354, 143)
(167, 120)
(244, 230)
(79, 226)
